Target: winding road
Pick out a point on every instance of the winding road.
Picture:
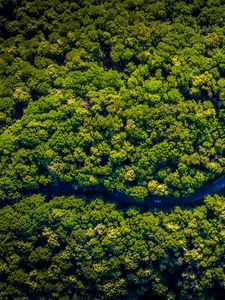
(150, 201)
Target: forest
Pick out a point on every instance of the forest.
(69, 248)
(115, 95)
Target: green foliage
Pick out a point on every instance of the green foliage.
(69, 247)
(128, 94)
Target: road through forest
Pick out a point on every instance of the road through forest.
(117, 196)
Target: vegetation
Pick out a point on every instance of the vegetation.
(127, 95)
(70, 249)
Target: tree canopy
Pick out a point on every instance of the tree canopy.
(123, 94)
(126, 96)
(69, 248)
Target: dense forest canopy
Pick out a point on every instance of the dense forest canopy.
(128, 95)
(70, 249)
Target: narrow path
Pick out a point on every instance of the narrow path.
(150, 201)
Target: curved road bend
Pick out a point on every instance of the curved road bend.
(150, 201)
(210, 189)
